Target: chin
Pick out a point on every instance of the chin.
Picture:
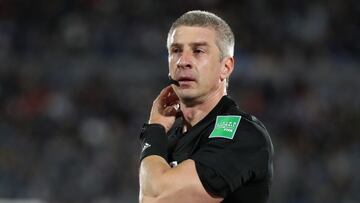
(188, 97)
(185, 93)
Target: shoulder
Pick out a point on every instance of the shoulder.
(248, 128)
(252, 129)
(238, 134)
(238, 148)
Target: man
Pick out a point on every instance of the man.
(198, 146)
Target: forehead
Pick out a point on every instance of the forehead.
(191, 34)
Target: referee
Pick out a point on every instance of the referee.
(198, 146)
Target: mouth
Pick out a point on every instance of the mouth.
(186, 79)
(186, 82)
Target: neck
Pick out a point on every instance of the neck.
(192, 114)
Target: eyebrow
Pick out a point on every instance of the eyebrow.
(192, 44)
(198, 44)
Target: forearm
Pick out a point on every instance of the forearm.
(159, 183)
(152, 169)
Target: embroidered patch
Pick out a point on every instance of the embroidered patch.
(225, 127)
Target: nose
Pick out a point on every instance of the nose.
(185, 60)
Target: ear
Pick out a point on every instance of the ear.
(226, 68)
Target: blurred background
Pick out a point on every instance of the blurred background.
(78, 77)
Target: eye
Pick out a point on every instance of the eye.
(198, 51)
(175, 50)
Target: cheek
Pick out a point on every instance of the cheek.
(210, 75)
(172, 63)
(213, 70)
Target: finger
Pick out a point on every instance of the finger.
(168, 97)
(170, 111)
(166, 90)
(172, 99)
(163, 94)
(161, 98)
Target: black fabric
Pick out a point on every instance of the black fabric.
(237, 169)
(239, 160)
(153, 141)
(212, 182)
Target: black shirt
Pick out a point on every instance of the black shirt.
(232, 151)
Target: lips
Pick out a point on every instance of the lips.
(185, 79)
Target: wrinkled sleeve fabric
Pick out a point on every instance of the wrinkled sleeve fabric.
(223, 165)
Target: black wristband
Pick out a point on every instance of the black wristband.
(153, 140)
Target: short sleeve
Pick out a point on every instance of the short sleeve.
(211, 181)
(223, 165)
